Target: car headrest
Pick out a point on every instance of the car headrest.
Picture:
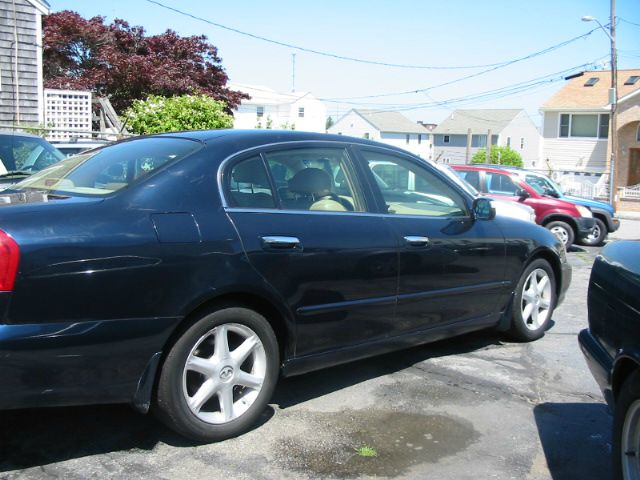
(250, 172)
(311, 181)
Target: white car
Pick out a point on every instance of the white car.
(504, 208)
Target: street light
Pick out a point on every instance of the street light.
(613, 98)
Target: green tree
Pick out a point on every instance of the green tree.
(499, 156)
(159, 114)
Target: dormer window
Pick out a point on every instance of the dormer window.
(632, 80)
(591, 82)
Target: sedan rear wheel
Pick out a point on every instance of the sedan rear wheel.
(626, 430)
(533, 301)
(219, 375)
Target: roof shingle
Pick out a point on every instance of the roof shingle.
(479, 121)
(574, 94)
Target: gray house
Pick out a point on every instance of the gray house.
(508, 127)
(21, 84)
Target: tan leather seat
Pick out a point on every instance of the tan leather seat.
(315, 185)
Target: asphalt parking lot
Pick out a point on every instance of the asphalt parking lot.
(475, 407)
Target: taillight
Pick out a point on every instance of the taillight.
(9, 259)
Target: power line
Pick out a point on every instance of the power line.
(364, 61)
(489, 94)
(627, 21)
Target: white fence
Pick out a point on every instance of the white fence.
(630, 193)
(68, 114)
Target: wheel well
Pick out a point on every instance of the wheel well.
(561, 218)
(555, 265)
(239, 299)
(603, 219)
(624, 368)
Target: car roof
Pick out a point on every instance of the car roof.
(487, 168)
(260, 137)
(19, 134)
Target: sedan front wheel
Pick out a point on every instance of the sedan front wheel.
(533, 301)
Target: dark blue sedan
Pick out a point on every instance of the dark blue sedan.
(183, 273)
(611, 346)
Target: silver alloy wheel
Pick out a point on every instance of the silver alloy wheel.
(536, 299)
(630, 443)
(219, 383)
(561, 233)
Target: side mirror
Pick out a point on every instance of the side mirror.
(522, 193)
(482, 209)
(551, 192)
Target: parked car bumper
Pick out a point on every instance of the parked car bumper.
(565, 281)
(585, 226)
(91, 362)
(599, 361)
(613, 224)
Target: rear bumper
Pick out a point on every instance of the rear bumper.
(55, 364)
(599, 362)
(565, 281)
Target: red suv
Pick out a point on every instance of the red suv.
(566, 220)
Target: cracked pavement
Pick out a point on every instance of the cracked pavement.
(472, 407)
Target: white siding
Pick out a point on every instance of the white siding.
(354, 125)
(571, 154)
(282, 110)
(522, 127)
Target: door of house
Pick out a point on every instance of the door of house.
(633, 177)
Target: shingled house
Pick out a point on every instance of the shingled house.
(576, 128)
(21, 84)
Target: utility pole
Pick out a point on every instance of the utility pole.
(613, 94)
(293, 72)
(468, 155)
(489, 146)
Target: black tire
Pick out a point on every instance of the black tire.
(526, 328)
(235, 325)
(597, 236)
(626, 465)
(563, 231)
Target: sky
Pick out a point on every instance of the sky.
(387, 38)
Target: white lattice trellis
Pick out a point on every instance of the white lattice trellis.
(68, 113)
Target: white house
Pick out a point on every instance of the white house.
(508, 127)
(21, 84)
(269, 109)
(576, 129)
(392, 128)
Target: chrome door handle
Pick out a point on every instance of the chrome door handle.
(280, 242)
(416, 240)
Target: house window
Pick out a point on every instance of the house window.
(446, 139)
(591, 82)
(301, 112)
(419, 139)
(632, 80)
(638, 134)
(260, 111)
(584, 125)
(366, 135)
(509, 142)
(408, 137)
(521, 143)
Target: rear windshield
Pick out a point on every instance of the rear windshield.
(109, 169)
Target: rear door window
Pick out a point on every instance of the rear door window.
(500, 184)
